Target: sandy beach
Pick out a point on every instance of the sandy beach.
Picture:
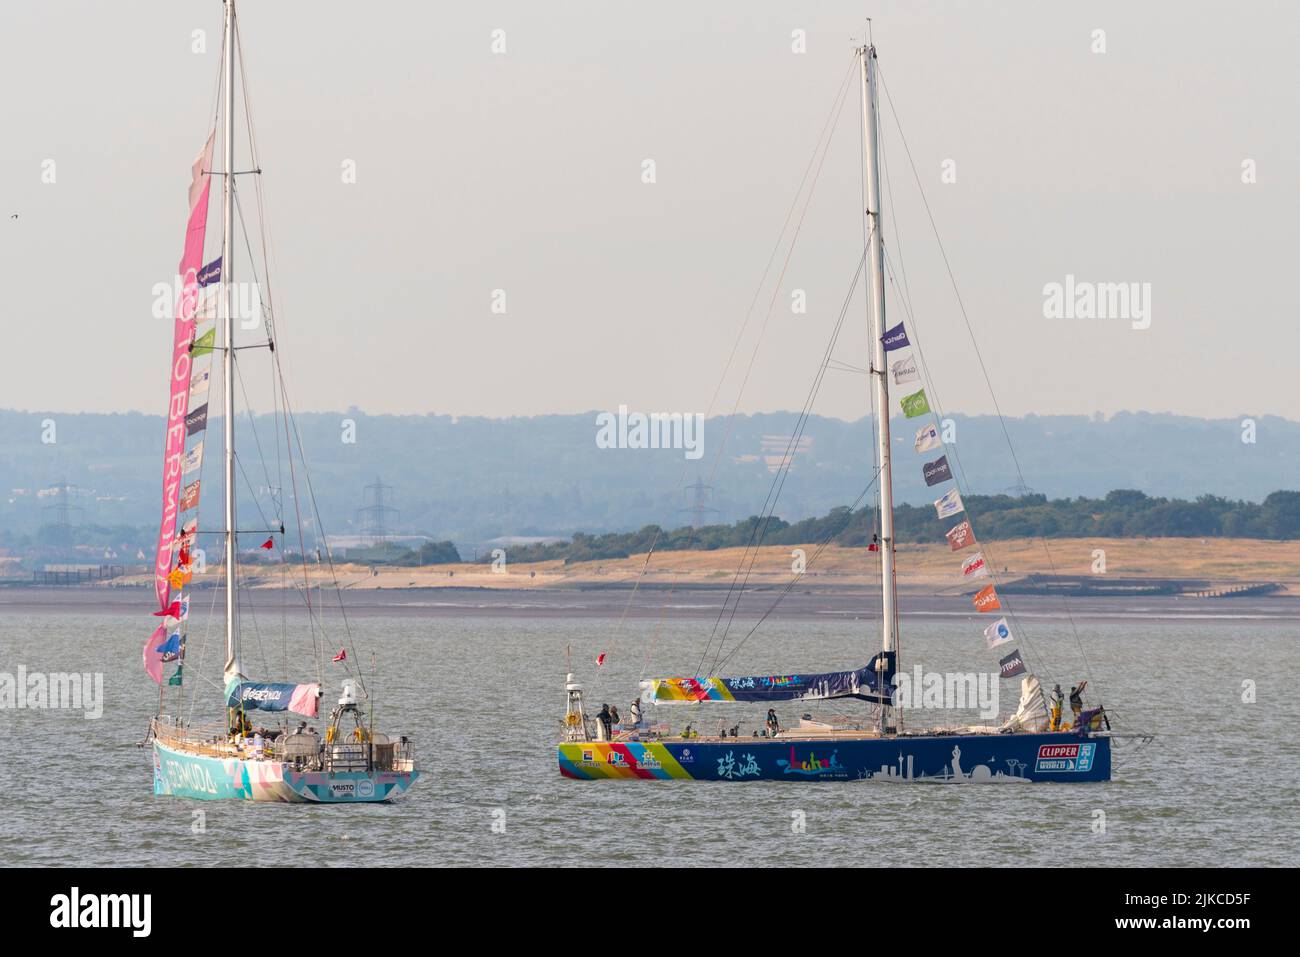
(930, 569)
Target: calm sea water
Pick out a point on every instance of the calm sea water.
(483, 698)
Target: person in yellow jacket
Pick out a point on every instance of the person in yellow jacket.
(1058, 702)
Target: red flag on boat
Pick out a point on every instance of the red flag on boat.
(600, 659)
(342, 655)
(269, 543)
(171, 611)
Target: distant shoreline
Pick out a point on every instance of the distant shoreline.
(923, 569)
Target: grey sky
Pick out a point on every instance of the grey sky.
(522, 172)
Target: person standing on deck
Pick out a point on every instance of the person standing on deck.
(636, 713)
(773, 725)
(602, 723)
(1058, 702)
(1076, 700)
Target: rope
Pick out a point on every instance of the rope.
(828, 124)
(980, 358)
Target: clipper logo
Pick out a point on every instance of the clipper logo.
(1065, 757)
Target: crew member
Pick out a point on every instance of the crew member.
(773, 725)
(1058, 701)
(1076, 699)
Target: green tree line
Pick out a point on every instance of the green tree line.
(1123, 513)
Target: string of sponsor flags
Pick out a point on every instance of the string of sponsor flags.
(902, 371)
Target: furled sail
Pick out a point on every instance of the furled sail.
(300, 699)
(1031, 714)
(869, 684)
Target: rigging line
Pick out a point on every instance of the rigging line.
(778, 483)
(963, 484)
(261, 455)
(979, 356)
(825, 542)
(212, 607)
(290, 420)
(837, 366)
(329, 554)
(825, 151)
(904, 294)
(269, 315)
(837, 105)
(252, 612)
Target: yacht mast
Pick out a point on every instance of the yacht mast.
(879, 362)
(233, 668)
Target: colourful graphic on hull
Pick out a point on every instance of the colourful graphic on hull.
(178, 774)
(939, 759)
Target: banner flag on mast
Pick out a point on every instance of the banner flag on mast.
(914, 404)
(927, 438)
(936, 471)
(197, 420)
(904, 371)
(210, 273)
(189, 497)
(960, 536)
(204, 343)
(986, 599)
(949, 504)
(152, 661)
(1012, 665)
(895, 338)
(998, 633)
(193, 459)
(200, 379)
(974, 567)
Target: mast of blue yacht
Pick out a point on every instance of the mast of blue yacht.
(233, 667)
(879, 363)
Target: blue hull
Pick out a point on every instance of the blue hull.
(961, 758)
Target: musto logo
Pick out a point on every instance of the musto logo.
(1065, 757)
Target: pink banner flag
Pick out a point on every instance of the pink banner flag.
(152, 659)
(179, 386)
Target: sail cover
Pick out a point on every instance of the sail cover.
(864, 683)
(300, 699)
